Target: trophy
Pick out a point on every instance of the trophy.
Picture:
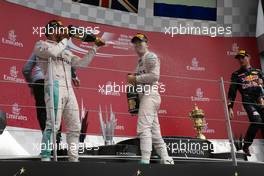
(108, 127)
(197, 115)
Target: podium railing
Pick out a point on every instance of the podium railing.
(223, 120)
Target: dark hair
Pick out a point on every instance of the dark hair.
(52, 24)
(139, 37)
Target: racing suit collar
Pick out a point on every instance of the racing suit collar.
(144, 55)
(51, 41)
(246, 68)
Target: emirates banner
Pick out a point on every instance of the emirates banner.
(191, 67)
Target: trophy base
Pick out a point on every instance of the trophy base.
(201, 136)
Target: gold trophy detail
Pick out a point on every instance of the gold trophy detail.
(197, 115)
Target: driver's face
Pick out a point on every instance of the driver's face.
(244, 61)
(140, 47)
(59, 32)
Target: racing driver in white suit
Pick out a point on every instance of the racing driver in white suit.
(147, 76)
(65, 103)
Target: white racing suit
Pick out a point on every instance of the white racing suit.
(148, 127)
(65, 103)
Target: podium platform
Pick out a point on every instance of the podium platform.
(106, 168)
(123, 158)
(179, 147)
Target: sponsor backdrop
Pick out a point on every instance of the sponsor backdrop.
(191, 67)
(240, 14)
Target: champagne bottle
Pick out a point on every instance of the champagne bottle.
(81, 34)
(132, 99)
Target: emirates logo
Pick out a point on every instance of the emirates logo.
(199, 93)
(12, 39)
(109, 89)
(234, 50)
(235, 47)
(13, 71)
(16, 113)
(12, 35)
(15, 109)
(199, 96)
(195, 62)
(13, 75)
(207, 129)
(195, 66)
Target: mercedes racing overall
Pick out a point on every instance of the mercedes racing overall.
(148, 127)
(65, 103)
(245, 80)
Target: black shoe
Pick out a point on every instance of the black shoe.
(246, 151)
(238, 143)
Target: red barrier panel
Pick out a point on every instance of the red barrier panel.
(181, 56)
